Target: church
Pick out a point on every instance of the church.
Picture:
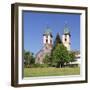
(48, 43)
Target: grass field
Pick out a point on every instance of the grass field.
(51, 71)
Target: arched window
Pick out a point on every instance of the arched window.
(46, 40)
(65, 39)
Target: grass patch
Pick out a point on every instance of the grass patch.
(50, 71)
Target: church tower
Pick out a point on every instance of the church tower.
(47, 38)
(47, 46)
(66, 38)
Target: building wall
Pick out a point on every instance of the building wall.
(66, 43)
(44, 39)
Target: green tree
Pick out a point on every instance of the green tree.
(32, 58)
(56, 42)
(47, 59)
(60, 55)
(72, 56)
(28, 58)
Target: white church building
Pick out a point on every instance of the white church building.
(48, 45)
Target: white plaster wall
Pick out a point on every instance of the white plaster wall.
(49, 38)
(66, 44)
(68, 38)
(44, 39)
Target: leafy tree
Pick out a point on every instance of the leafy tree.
(29, 58)
(56, 42)
(60, 55)
(72, 56)
(32, 58)
(26, 57)
(47, 59)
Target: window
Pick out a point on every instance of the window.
(46, 40)
(65, 39)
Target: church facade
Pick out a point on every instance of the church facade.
(48, 44)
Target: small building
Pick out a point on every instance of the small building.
(77, 61)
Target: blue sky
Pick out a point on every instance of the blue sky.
(35, 23)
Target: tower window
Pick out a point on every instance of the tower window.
(46, 40)
(65, 39)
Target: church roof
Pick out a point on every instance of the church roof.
(66, 29)
(47, 31)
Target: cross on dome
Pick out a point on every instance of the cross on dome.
(66, 29)
(47, 31)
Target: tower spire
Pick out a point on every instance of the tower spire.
(47, 38)
(66, 29)
(47, 31)
(66, 37)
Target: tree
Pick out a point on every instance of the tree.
(47, 59)
(26, 57)
(32, 58)
(57, 40)
(29, 58)
(60, 55)
(72, 56)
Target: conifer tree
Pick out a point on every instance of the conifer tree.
(57, 40)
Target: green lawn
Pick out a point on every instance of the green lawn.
(50, 71)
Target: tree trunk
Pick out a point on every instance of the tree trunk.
(62, 64)
(58, 65)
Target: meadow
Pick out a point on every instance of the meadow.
(51, 71)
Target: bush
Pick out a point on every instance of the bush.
(27, 66)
